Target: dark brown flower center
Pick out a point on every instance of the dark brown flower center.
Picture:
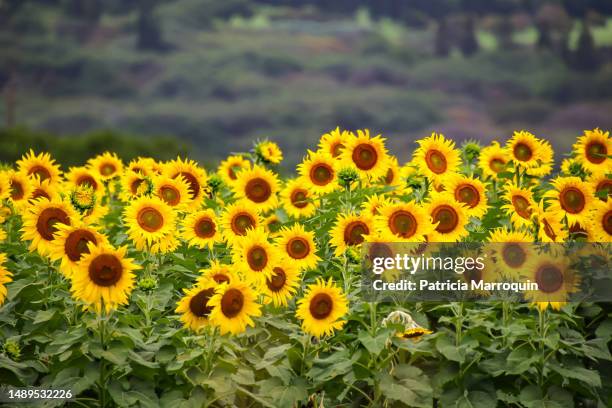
(257, 258)
(403, 223)
(241, 222)
(47, 220)
(198, 305)
(221, 278)
(87, 180)
(105, 270)
(277, 282)
(321, 306)
(379, 250)
(232, 302)
(40, 193)
(436, 161)
(604, 189)
(390, 176)
(522, 152)
(299, 198)
(107, 169)
(135, 184)
(572, 200)
(497, 165)
(606, 222)
(549, 278)
(41, 172)
(170, 195)
(258, 190)
(336, 149)
(205, 227)
(150, 219)
(446, 217)
(194, 185)
(596, 152)
(76, 243)
(468, 194)
(548, 230)
(365, 156)
(321, 174)
(16, 190)
(521, 206)
(354, 232)
(298, 248)
(514, 255)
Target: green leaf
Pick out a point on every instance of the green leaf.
(374, 345)
(395, 391)
(448, 349)
(576, 372)
(44, 316)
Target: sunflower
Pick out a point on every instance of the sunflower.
(174, 191)
(555, 279)
(593, 150)
(374, 203)
(40, 223)
(255, 255)
(269, 152)
(104, 277)
(602, 221)
(349, 230)
(492, 160)
(41, 166)
(143, 165)
(5, 277)
(436, 157)
(21, 189)
(545, 161)
(571, 197)
(5, 185)
(258, 186)
(43, 189)
(272, 225)
(84, 200)
(449, 218)
(106, 165)
(298, 246)
(414, 333)
(511, 251)
(233, 306)
(133, 185)
(550, 225)
(297, 200)
(201, 229)
(151, 224)
(281, 285)
(83, 176)
(318, 172)
(520, 205)
(367, 154)
(194, 175)
(571, 167)
(71, 243)
(333, 142)
(468, 191)
(195, 306)
(321, 308)
(404, 222)
(524, 149)
(218, 273)
(230, 167)
(602, 185)
(237, 219)
(392, 177)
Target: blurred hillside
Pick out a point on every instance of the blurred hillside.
(219, 75)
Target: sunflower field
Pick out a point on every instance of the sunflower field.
(157, 284)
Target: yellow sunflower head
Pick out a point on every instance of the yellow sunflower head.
(151, 224)
(318, 172)
(83, 198)
(297, 199)
(350, 230)
(392, 177)
(5, 185)
(40, 166)
(602, 221)
(5, 277)
(104, 278)
(145, 166)
(255, 255)
(404, 222)
(21, 189)
(258, 186)
(322, 308)
(571, 197)
(83, 176)
(366, 154)
(174, 191)
(298, 246)
(201, 229)
(374, 203)
(281, 285)
(134, 184)
(492, 160)
(449, 218)
(106, 165)
(40, 223)
(71, 243)
(550, 225)
(593, 150)
(519, 205)
(43, 189)
(333, 143)
(511, 251)
(555, 278)
(469, 192)
(272, 225)
(414, 334)
(218, 273)
(230, 167)
(602, 185)
(194, 307)
(194, 175)
(237, 219)
(233, 307)
(268, 152)
(436, 157)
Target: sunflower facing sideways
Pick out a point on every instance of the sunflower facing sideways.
(333, 142)
(322, 308)
(555, 278)
(237, 219)
(104, 278)
(269, 152)
(374, 203)
(436, 157)
(218, 273)
(41, 166)
(194, 306)
(593, 150)
(449, 218)
(297, 199)
(200, 229)
(43, 189)
(367, 154)
(281, 285)
(5, 277)
(21, 189)
(404, 222)
(174, 191)
(230, 167)
(550, 225)
(298, 246)
(602, 221)
(255, 255)
(318, 172)
(519, 206)
(468, 191)
(133, 185)
(40, 223)
(258, 186)
(71, 243)
(350, 230)
(571, 197)
(602, 185)
(194, 175)
(151, 223)
(233, 306)
(107, 165)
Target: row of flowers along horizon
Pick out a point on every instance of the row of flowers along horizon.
(258, 228)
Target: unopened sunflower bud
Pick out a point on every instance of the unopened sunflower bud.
(347, 176)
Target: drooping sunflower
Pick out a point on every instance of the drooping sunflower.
(106, 165)
(230, 167)
(333, 142)
(104, 278)
(174, 191)
(297, 199)
(41, 166)
(318, 172)
(322, 308)
(5, 277)
(151, 224)
(550, 225)
(255, 255)
(449, 218)
(555, 278)
(83, 176)
(404, 222)
(282, 284)
(593, 149)
(234, 304)
(492, 160)
(468, 191)
(414, 334)
(40, 223)
(195, 307)
(519, 206)
(436, 157)
(258, 186)
(298, 246)
(374, 203)
(350, 230)
(367, 154)
(512, 250)
(602, 221)
(218, 273)
(194, 175)
(134, 185)
(21, 189)
(237, 219)
(71, 243)
(571, 197)
(43, 189)
(602, 185)
(201, 229)
(269, 152)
